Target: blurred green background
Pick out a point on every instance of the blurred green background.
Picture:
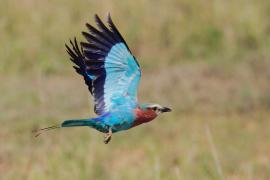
(208, 60)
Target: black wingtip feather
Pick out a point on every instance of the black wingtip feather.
(77, 57)
(99, 35)
(115, 30)
(95, 41)
(105, 30)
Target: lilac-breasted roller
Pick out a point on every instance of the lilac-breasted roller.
(112, 75)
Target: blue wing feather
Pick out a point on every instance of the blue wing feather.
(108, 67)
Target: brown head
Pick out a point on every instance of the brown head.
(147, 112)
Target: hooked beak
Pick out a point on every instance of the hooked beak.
(166, 109)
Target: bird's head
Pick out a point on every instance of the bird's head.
(158, 109)
(147, 112)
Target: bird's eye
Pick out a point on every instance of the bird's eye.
(154, 108)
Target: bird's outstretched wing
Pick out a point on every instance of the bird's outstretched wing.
(110, 71)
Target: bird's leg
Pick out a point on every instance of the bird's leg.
(108, 136)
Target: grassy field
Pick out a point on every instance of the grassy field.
(208, 60)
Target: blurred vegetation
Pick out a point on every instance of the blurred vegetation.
(208, 60)
(217, 31)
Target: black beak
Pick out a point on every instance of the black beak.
(165, 109)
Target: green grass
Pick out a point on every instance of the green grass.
(208, 60)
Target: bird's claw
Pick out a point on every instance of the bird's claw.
(108, 136)
(107, 139)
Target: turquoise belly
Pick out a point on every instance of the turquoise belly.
(117, 121)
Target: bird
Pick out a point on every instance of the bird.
(112, 75)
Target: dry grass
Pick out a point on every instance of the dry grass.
(175, 146)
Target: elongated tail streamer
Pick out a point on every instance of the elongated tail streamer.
(40, 131)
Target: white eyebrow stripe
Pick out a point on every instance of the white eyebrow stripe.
(156, 105)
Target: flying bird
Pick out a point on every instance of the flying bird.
(112, 75)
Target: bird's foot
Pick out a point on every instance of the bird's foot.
(108, 136)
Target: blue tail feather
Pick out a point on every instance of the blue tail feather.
(82, 122)
(94, 123)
